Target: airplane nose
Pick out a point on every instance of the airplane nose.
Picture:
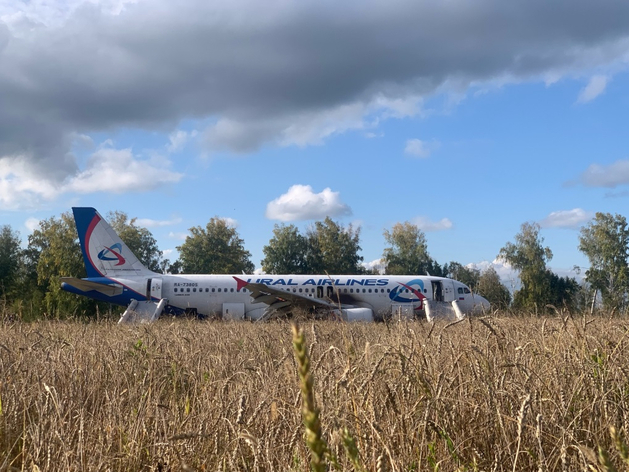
(481, 304)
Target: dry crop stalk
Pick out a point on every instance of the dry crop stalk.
(310, 412)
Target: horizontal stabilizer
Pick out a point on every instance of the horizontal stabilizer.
(86, 286)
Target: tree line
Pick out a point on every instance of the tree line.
(29, 278)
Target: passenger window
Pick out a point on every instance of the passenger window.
(300, 290)
(231, 289)
(194, 289)
(175, 290)
(219, 289)
(369, 290)
(187, 290)
(213, 290)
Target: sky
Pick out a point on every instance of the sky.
(464, 118)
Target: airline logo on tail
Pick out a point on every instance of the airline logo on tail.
(112, 254)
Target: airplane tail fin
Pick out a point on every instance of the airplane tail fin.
(104, 253)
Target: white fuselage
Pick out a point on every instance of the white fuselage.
(219, 295)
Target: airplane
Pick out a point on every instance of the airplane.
(115, 275)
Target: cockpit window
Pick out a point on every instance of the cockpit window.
(467, 290)
(460, 290)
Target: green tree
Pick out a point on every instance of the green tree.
(333, 248)
(286, 252)
(528, 256)
(491, 287)
(174, 268)
(10, 260)
(139, 240)
(407, 253)
(54, 250)
(540, 286)
(215, 249)
(605, 242)
(563, 290)
(467, 275)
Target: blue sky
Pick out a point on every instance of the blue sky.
(467, 119)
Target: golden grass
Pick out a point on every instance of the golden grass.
(486, 394)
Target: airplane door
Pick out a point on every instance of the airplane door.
(155, 288)
(448, 291)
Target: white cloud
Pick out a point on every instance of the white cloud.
(508, 275)
(401, 107)
(178, 139)
(22, 186)
(119, 171)
(593, 89)
(301, 203)
(416, 147)
(566, 218)
(425, 224)
(31, 224)
(149, 223)
(82, 141)
(230, 221)
(609, 176)
(25, 185)
(313, 128)
(177, 235)
(376, 264)
(419, 148)
(167, 252)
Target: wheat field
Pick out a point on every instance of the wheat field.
(495, 393)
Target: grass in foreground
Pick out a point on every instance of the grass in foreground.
(482, 394)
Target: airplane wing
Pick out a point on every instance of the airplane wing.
(277, 299)
(86, 286)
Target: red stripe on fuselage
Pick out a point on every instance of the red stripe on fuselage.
(417, 293)
(88, 236)
(240, 283)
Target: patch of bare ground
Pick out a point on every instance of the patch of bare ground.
(494, 393)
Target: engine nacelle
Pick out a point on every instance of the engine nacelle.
(356, 314)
